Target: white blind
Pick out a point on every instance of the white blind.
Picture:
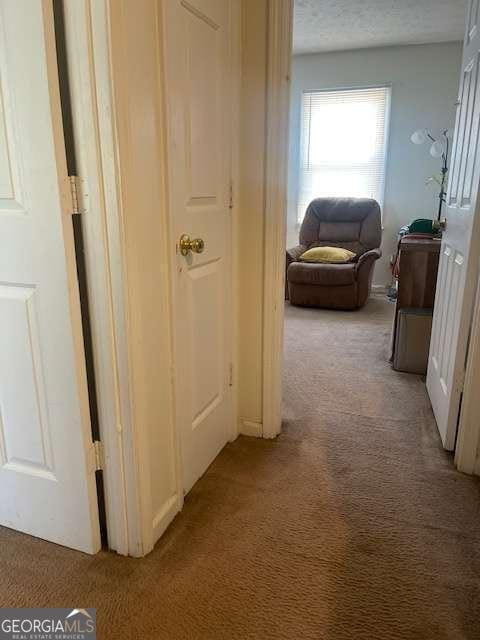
(343, 145)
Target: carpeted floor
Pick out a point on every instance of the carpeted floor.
(353, 524)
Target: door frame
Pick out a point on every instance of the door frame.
(280, 28)
(467, 453)
(90, 82)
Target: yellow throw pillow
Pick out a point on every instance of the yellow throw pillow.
(329, 255)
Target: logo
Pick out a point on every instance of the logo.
(48, 624)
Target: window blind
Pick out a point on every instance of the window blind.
(343, 144)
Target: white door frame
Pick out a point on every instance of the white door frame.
(280, 24)
(87, 39)
(467, 455)
(467, 451)
(236, 89)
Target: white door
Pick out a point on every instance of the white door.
(458, 268)
(47, 486)
(199, 157)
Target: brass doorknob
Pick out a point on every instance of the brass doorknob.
(187, 245)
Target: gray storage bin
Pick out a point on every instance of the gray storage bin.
(414, 327)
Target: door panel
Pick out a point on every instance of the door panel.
(202, 83)
(10, 186)
(457, 269)
(205, 295)
(47, 487)
(25, 444)
(199, 157)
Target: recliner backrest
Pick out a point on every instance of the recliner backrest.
(351, 223)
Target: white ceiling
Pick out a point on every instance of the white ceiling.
(333, 25)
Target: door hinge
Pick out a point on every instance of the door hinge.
(73, 182)
(230, 376)
(97, 455)
(230, 197)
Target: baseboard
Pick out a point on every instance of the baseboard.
(250, 428)
(164, 517)
(379, 289)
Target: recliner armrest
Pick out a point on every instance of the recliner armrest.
(368, 257)
(294, 253)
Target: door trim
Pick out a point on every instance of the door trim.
(280, 23)
(88, 53)
(236, 92)
(467, 452)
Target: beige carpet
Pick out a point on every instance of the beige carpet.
(353, 524)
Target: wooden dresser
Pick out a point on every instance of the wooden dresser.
(417, 279)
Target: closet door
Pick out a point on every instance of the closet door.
(47, 471)
(197, 36)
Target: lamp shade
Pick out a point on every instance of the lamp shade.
(419, 136)
(437, 149)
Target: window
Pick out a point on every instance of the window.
(343, 140)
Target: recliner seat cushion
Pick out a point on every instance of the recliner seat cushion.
(321, 274)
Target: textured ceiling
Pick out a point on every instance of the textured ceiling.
(333, 25)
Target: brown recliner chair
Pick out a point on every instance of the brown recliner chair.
(350, 223)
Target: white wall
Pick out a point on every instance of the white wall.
(424, 81)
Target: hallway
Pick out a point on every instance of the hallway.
(353, 524)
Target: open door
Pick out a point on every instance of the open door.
(458, 268)
(47, 470)
(197, 55)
